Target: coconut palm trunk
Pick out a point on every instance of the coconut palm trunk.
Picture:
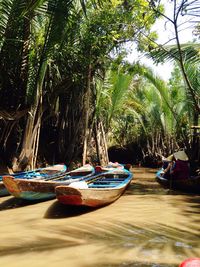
(101, 143)
(87, 108)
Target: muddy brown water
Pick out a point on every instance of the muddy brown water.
(147, 226)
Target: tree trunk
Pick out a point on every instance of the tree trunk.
(87, 110)
(101, 144)
(29, 150)
(195, 150)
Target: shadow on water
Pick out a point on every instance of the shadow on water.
(40, 245)
(118, 237)
(59, 211)
(115, 236)
(14, 202)
(144, 183)
(145, 170)
(148, 188)
(192, 209)
(111, 236)
(137, 188)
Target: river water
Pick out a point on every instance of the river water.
(147, 226)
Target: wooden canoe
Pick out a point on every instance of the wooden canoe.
(47, 172)
(188, 185)
(97, 191)
(43, 188)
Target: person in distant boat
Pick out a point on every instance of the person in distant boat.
(167, 166)
(180, 168)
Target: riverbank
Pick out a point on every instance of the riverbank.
(147, 226)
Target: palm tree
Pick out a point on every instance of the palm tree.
(147, 111)
(39, 34)
(191, 69)
(54, 17)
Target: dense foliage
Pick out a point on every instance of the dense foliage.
(66, 91)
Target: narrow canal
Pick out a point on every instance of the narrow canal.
(147, 226)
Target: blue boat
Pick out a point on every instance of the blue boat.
(47, 172)
(188, 185)
(96, 191)
(43, 188)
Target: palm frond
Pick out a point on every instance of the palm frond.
(60, 11)
(5, 9)
(139, 117)
(10, 13)
(33, 5)
(121, 84)
(189, 51)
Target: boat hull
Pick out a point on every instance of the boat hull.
(50, 171)
(47, 172)
(87, 197)
(188, 185)
(102, 191)
(30, 189)
(38, 189)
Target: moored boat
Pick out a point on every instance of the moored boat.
(189, 185)
(47, 172)
(43, 188)
(96, 191)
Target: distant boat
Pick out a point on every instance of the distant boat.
(43, 188)
(47, 172)
(189, 185)
(96, 191)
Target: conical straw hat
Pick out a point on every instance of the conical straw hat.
(169, 158)
(181, 155)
